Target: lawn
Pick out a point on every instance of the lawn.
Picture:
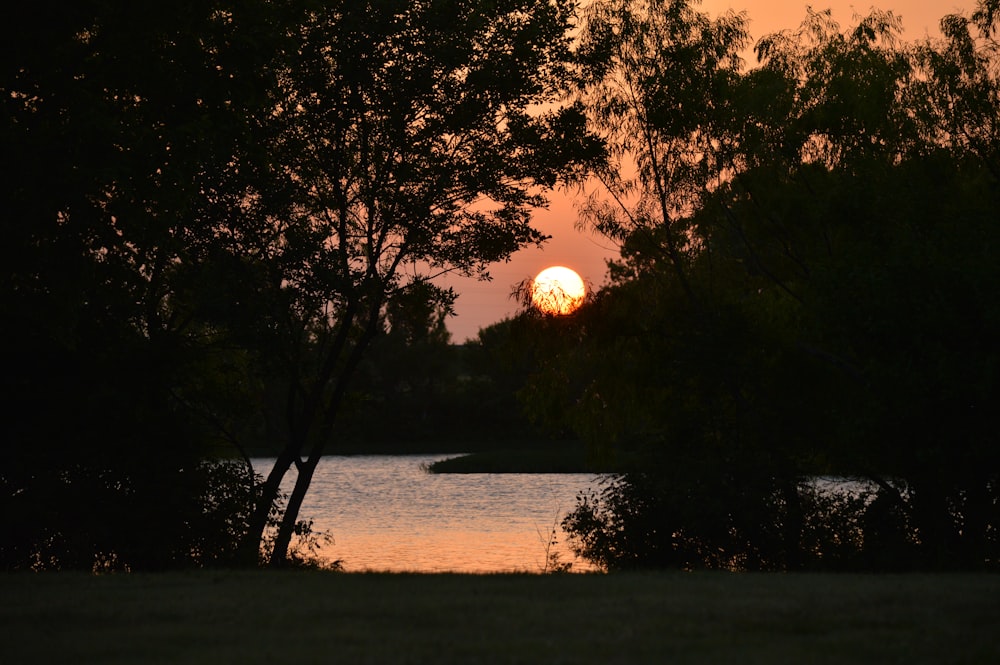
(313, 617)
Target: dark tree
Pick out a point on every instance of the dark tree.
(118, 120)
(218, 206)
(406, 145)
(838, 325)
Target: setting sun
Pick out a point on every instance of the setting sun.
(557, 290)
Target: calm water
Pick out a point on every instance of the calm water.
(386, 513)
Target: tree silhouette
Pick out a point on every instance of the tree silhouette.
(218, 205)
(838, 326)
(657, 81)
(120, 121)
(405, 135)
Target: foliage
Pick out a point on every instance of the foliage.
(656, 79)
(829, 315)
(553, 559)
(86, 517)
(118, 118)
(408, 148)
(219, 207)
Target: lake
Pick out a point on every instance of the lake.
(386, 513)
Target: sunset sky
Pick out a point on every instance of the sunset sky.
(481, 304)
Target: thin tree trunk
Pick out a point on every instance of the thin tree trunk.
(282, 542)
(250, 549)
(323, 433)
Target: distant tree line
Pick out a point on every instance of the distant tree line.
(417, 391)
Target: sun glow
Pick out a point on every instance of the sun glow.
(557, 290)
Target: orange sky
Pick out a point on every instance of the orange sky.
(483, 303)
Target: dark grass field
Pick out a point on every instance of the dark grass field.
(314, 617)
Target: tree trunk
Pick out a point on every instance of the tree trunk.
(325, 414)
(249, 554)
(279, 555)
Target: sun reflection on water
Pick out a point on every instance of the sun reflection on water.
(386, 513)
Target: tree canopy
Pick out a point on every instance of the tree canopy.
(220, 206)
(817, 305)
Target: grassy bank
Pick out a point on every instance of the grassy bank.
(263, 617)
(513, 461)
(544, 460)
